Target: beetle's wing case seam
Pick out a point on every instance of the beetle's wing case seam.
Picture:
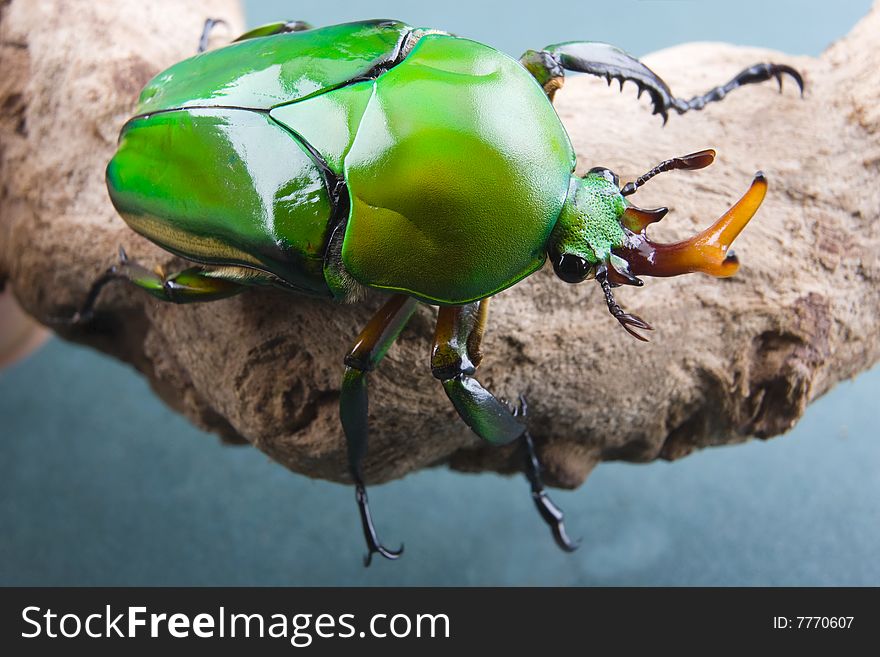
(404, 47)
(267, 71)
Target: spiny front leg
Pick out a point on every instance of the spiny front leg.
(548, 66)
(454, 360)
(369, 348)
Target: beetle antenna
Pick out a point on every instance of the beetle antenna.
(698, 160)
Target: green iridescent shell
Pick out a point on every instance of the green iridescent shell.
(443, 162)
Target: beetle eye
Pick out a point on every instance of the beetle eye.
(607, 174)
(571, 268)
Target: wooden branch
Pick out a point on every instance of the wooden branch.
(730, 359)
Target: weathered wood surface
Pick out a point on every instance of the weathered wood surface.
(729, 359)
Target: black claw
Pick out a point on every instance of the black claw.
(634, 320)
(549, 512)
(521, 408)
(86, 312)
(373, 544)
(553, 516)
(635, 334)
(628, 321)
(210, 24)
(391, 555)
(754, 74)
(779, 69)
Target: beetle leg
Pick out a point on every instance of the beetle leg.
(454, 359)
(629, 322)
(271, 29)
(551, 514)
(546, 69)
(369, 348)
(610, 62)
(281, 27)
(189, 285)
(210, 24)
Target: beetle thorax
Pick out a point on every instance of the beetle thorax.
(589, 224)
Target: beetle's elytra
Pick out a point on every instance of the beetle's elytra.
(377, 155)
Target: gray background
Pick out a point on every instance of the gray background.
(101, 484)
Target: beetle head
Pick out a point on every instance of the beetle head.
(589, 226)
(599, 233)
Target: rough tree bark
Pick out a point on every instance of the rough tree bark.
(729, 359)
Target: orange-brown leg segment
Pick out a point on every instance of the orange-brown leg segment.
(369, 348)
(454, 360)
(456, 344)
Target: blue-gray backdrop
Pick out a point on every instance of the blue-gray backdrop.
(101, 484)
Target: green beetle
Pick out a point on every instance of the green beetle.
(377, 155)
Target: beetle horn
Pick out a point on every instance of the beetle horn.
(706, 252)
(638, 219)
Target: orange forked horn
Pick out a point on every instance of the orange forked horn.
(706, 252)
